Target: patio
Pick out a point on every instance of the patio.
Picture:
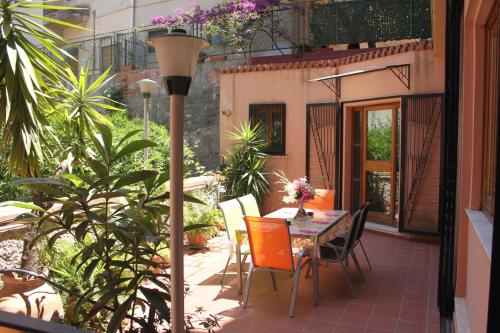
(398, 296)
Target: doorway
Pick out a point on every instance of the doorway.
(375, 161)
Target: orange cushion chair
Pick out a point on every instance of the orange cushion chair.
(323, 200)
(271, 249)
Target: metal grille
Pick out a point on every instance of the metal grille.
(421, 117)
(322, 144)
(369, 21)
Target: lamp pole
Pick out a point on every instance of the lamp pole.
(146, 120)
(177, 55)
(147, 88)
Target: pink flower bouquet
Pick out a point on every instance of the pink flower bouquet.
(299, 191)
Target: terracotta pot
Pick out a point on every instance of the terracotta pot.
(163, 262)
(219, 225)
(197, 239)
(126, 68)
(30, 297)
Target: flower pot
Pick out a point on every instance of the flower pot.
(163, 263)
(197, 239)
(220, 225)
(31, 297)
(126, 68)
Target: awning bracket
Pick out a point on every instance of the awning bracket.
(402, 72)
(333, 84)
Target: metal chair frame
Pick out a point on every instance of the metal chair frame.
(342, 254)
(295, 273)
(242, 202)
(243, 261)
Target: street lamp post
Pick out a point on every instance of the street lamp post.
(147, 88)
(177, 54)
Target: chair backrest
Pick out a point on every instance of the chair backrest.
(249, 205)
(269, 240)
(233, 216)
(352, 232)
(323, 200)
(364, 214)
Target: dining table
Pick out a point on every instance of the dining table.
(320, 227)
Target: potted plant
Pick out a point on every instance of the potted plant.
(199, 225)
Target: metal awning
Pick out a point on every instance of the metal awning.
(333, 82)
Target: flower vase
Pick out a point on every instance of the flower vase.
(301, 213)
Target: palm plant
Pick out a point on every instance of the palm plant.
(79, 103)
(30, 63)
(245, 169)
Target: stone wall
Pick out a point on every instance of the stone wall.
(201, 127)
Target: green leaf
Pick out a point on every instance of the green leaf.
(90, 268)
(134, 177)
(127, 136)
(20, 204)
(133, 147)
(157, 300)
(119, 315)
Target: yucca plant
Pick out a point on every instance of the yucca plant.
(80, 104)
(30, 63)
(246, 162)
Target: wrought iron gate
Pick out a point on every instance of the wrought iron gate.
(323, 145)
(420, 162)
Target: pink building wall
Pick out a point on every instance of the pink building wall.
(473, 260)
(290, 86)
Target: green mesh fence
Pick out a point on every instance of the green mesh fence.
(355, 21)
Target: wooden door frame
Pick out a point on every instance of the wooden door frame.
(394, 106)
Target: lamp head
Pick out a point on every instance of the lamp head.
(177, 54)
(147, 87)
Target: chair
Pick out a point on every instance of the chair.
(271, 250)
(340, 240)
(249, 205)
(233, 217)
(335, 254)
(323, 200)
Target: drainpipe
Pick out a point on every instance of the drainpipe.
(132, 14)
(94, 59)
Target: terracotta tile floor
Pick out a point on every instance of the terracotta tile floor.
(399, 295)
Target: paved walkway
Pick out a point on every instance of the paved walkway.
(398, 296)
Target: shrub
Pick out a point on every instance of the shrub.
(245, 169)
(159, 156)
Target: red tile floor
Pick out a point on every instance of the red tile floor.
(399, 295)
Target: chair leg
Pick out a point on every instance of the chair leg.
(295, 287)
(366, 256)
(358, 268)
(346, 275)
(225, 269)
(308, 272)
(243, 261)
(247, 286)
(274, 280)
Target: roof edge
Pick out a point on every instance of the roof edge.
(374, 54)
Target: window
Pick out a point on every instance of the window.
(272, 118)
(490, 124)
(108, 56)
(73, 63)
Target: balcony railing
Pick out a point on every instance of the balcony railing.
(356, 21)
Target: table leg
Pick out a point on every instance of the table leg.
(315, 274)
(238, 268)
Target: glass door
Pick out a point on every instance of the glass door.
(380, 163)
